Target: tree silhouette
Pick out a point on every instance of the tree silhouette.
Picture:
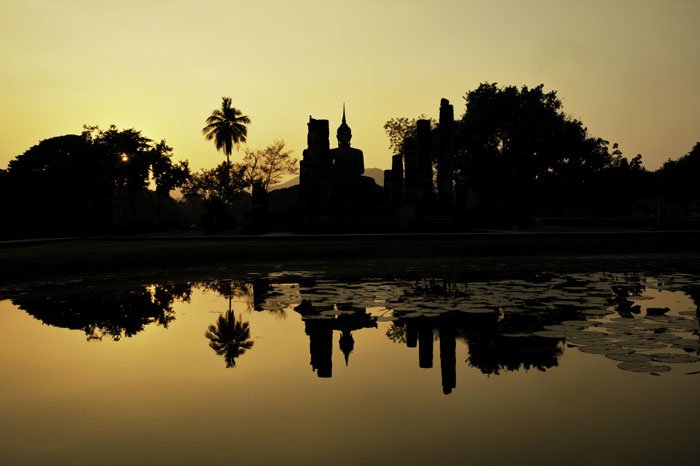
(98, 181)
(229, 337)
(267, 166)
(517, 150)
(223, 184)
(401, 128)
(227, 127)
(679, 178)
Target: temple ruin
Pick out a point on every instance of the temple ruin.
(420, 183)
(330, 179)
(411, 179)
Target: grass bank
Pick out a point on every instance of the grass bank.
(346, 253)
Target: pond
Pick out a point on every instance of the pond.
(307, 368)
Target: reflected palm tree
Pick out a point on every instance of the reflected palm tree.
(229, 337)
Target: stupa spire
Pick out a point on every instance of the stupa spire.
(344, 133)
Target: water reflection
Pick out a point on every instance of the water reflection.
(493, 346)
(229, 337)
(505, 324)
(108, 312)
(319, 324)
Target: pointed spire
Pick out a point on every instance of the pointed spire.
(347, 344)
(344, 133)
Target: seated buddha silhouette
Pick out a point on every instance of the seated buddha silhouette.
(348, 163)
(347, 167)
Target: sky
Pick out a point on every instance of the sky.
(630, 71)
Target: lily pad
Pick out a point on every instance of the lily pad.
(516, 335)
(664, 336)
(683, 325)
(318, 317)
(642, 344)
(477, 310)
(643, 367)
(588, 339)
(674, 358)
(629, 357)
(597, 312)
(549, 334)
(686, 344)
(605, 349)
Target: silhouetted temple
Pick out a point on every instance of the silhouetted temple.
(333, 178)
(411, 178)
(418, 189)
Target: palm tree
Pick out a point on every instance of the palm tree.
(227, 127)
(229, 337)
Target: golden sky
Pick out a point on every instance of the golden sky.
(629, 70)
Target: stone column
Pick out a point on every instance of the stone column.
(320, 347)
(425, 345)
(445, 168)
(448, 357)
(411, 334)
(410, 163)
(424, 160)
(314, 173)
(393, 180)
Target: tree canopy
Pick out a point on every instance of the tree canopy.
(518, 152)
(89, 182)
(401, 128)
(223, 184)
(227, 127)
(514, 143)
(680, 178)
(267, 166)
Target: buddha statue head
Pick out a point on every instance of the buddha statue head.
(344, 133)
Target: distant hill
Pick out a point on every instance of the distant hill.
(375, 173)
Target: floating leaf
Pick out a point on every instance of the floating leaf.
(629, 357)
(589, 340)
(516, 335)
(643, 367)
(674, 358)
(642, 344)
(686, 344)
(605, 349)
(549, 334)
(597, 312)
(665, 336)
(477, 310)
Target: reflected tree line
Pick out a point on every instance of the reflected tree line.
(496, 341)
(496, 344)
(108, 313)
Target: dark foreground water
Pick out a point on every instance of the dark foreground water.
(304, 368)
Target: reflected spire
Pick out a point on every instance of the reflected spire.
(347, 344)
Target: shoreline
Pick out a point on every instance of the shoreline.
(352, 253)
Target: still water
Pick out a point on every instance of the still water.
(305, 368)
